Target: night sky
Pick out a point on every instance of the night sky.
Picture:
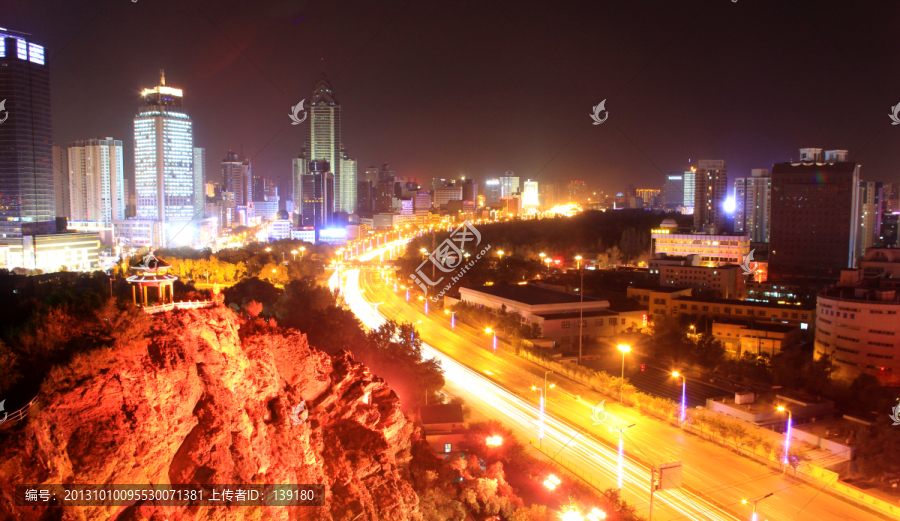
(444, 89)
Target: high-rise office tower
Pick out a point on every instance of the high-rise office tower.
(509, 185)
(348, 183)
(97, 180)
(316, 196)
(530, 194)
(365, 192)
(61, 181)
(547, 195)
(870, 205)
(711, 182)
(576, 192)
(470, 190)
(163, 156)
(26, 139)
(199, 175)
(815, 218)
(491, 191)
(674, 190)
(690, 187)
(323, 134)
(753, 204)
(237, 179)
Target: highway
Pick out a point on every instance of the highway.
(499, 386)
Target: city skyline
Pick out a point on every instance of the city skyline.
(638, 144)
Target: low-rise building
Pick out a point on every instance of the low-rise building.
(742, 310)
(443, 426)
(721, 281)
(739, 337)
(858, 328)
(881, 262)
(660, 260)
(562, 328)
(656, 298)
(51, 252)
(530, 300)
(713, 248)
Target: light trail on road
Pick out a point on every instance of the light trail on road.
(591, 455)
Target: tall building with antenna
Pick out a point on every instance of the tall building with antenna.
(323, 139)
(163, 159)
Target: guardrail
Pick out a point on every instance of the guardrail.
(161, 308)
(18, 415)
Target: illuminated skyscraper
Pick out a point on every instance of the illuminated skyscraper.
(237, 178)
(530, 194)
(690, 184)
(163, 157)
(348, 183)
(323, 136)
(26, 141)
(97, 180)
(509, 185)
(753, 205)
(199, 181)
(709, 193)
(61, 181)
(492, 191)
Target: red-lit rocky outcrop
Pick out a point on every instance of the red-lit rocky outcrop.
(207, 399)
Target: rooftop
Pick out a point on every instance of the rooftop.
(576, 314)
(531, 295)
(441, 413)
(737, 302)
(758, 326)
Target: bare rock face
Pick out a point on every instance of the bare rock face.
(200, 403)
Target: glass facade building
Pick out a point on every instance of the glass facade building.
(163, 157)
(27, 202)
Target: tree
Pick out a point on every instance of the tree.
(875, 446)
(708, 351)
(253, 308)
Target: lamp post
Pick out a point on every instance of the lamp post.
(294, 253)
(491, 331)
(676, 374)
(302, 249)
(624, 348)
(787, 437)
(621, 431)
(452, 318)
(542, 255)
(755, 501)
(500, 253)
(542, 390)
(423, 251)
(578, 260)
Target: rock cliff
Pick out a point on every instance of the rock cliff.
(207, 398)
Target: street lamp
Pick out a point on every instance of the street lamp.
(683, 394)
(501, 255)
(624, 348)
(302, 249)
(621, 431)
(596, 515)
(578, 258)
(541, 408)
(294, 253)
(787, 436)
(493, 441)
(268, 249)
(755, 501)
(423, 251)
(552, 481)
(452, 317)
(490, 331)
